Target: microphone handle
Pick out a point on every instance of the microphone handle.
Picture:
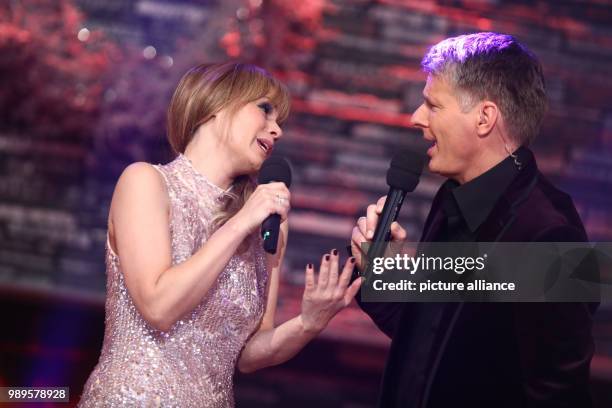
(382, 234)
(269, 233)
(393, 204)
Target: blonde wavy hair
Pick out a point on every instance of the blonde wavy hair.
(205, 90)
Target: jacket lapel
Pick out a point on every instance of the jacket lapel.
(504, 213)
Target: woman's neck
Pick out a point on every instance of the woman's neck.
(209, 159)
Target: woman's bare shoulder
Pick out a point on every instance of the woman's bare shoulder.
(141, 172)
(141, 183)
(141, 177)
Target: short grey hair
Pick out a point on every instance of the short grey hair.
(496, 67)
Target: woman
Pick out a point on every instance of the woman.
(190, 292)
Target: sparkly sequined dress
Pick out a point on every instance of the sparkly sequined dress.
(192, 364)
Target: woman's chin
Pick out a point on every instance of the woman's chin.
(253, 166)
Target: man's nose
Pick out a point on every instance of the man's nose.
(419, 118)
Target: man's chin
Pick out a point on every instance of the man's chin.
(435, 168)
(432, 166)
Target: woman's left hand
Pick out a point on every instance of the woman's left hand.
(329, 294)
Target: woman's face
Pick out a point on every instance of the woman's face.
(253, 132)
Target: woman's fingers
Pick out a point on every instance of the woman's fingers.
(324, 272)
(309, 281)
(322, 300)
(345, 295)
(282, 208)
(347, 272)
(279, 199)
(333, 269)
(352, 291)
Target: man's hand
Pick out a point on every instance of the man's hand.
(364, 230)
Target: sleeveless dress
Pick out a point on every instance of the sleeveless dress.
(193, 363)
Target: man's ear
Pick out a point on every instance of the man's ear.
(487, 117)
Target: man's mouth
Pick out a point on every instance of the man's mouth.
(432, 147)
(429, 138)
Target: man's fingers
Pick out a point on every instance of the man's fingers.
(361, 226)
(372, 215)
(358, 237)
(371, 221)
(380, 204)
(397, 232)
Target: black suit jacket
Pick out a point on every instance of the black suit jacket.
(494, 354)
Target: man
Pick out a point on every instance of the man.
(484, 102)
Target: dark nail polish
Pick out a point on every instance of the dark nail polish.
(335, 252)
(309, 266)
(327, 257)
(352, 259)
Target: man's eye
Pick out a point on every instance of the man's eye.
(266, 107)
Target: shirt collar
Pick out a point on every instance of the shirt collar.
(476, 199)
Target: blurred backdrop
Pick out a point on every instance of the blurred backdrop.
(84, 85)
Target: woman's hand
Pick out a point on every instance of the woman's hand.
(329, 294)
(267, 199)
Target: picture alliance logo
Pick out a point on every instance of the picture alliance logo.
(412, 264)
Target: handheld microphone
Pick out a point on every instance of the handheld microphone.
(402, 177)
(273, 169)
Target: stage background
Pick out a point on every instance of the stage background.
(84, 85)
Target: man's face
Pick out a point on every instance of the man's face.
(453, 132)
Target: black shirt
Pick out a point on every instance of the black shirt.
(468, 205)
(465, 207)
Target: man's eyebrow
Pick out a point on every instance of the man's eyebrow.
(427, 99)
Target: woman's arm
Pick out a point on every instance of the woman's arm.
(164, 293)
(273, 264)
(321, 301)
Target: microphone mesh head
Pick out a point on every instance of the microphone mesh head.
(275, 168)
(405, 170)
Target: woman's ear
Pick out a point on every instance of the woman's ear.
(488, 114)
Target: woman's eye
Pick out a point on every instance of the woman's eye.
(266, 107)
